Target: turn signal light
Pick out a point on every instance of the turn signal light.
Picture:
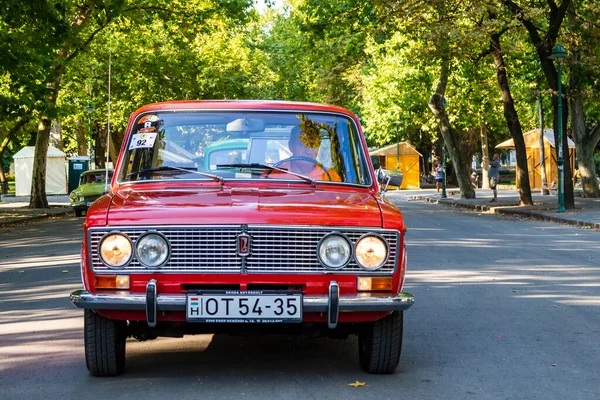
(112, 282)
(374, 284)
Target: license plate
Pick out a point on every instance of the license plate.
(244, 307)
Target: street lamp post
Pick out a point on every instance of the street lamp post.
(558, 55)
(444, 196)
(89, 110)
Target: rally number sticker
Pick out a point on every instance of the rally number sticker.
(142, 140)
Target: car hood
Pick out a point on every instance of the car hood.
(88, 189)
(234, 205)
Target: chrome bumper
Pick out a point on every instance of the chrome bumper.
(152, 303)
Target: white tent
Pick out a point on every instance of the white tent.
(56, 172)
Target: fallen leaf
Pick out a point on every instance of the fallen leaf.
(498, 336)
(554, 365)
(65, 271)
(356, 384)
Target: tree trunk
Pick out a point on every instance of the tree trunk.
(80, 133)
(584, 146)
(100, 148)
(585, 141)
(3, 182)
(460, 164)
(514, 125)
(38, 182)
(485, 155)
(116, 140)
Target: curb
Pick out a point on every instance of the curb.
(513, 212)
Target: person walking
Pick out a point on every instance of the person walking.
(439, 175)
(494, 175)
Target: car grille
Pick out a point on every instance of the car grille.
(272, 249)
(90, 199)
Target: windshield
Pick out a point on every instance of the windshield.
(95, 177)
(224, 146)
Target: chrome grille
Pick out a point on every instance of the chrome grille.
(272, 249)
(90, 199)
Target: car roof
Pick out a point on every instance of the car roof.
(242, 105)
(96, 171)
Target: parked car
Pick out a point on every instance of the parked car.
(287, 231)
(92, 185)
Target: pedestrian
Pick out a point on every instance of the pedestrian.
(439, 175)
(494, 175)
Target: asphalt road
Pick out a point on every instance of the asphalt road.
(505, 309)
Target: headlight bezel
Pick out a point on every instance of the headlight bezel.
(385, 259)
(350, 255)
(99, 250)
(168, 254)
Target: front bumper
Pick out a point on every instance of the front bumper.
(332, 303)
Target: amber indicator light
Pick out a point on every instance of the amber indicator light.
(374, 284)
(112, 282)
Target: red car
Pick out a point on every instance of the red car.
(243, 217)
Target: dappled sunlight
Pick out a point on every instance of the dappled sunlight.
(37, 242)
(24, 262)
(467, 242)
(41, 293)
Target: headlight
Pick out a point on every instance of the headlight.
(152, 250)
(334, 251)
(115, 250)
(73, 197)
(371, 252)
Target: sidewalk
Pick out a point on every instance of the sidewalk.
(586, 213)
(15, 210)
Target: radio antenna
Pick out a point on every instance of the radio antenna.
(108, 124)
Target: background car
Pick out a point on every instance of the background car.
(92, 185)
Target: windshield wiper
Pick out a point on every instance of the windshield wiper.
(308, 179)
(165, 168)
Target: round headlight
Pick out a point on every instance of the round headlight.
(334, 251)
(152, 250)
(115, 250)
(73, 197)
(371, 252)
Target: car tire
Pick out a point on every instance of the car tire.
(380, 344)
(104, 344)
(78, 213)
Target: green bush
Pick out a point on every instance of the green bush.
(10, 177)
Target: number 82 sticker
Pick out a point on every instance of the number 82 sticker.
(142, 140)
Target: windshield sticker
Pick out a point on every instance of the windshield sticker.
(150, 118)
(142, 140)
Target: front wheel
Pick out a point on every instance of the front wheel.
(104, 344)
(380, 344)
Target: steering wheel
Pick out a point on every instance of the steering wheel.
(299, 158)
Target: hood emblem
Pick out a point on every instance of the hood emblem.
(243, 244)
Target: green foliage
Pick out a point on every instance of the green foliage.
(380, 59)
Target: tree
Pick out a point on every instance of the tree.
(54, 34)
(543, 41)
(584, 45)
